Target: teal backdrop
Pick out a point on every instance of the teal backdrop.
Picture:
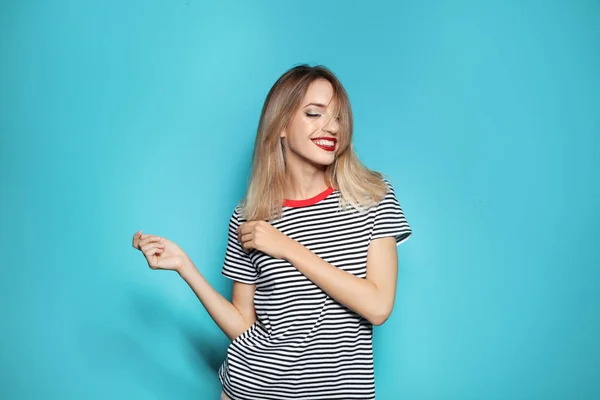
(124, 115)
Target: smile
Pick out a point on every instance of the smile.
(327, 144)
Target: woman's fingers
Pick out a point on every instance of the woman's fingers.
(246, 238)
(150, 248)
(154, 249)
(152, 244)
(136, 239)
(247, 241)
(139, 239)
(148, 239)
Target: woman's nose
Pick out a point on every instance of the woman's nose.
(332, 126)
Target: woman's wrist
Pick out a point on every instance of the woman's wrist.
(293, 248)
(186, 266)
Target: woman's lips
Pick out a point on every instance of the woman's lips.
(326, 143)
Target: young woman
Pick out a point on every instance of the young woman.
(311, 252)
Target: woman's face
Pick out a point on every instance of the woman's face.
(311, 136)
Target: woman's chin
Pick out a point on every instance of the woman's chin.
(323, 162)
(320, 161)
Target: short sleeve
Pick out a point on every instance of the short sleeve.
(390, 219)
(237, 264)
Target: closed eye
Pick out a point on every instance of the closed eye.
(312, 115)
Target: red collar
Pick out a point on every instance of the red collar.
(308, 202)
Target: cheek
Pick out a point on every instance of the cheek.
(305, 127)
(299, 133)
(297, 144)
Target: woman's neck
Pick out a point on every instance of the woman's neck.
(304, 184)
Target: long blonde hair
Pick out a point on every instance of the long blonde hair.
(359, 186)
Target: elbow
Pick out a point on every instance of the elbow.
(379, 316)
(378, 320)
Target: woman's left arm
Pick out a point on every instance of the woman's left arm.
(372, 297)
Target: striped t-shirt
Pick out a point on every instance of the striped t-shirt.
(304, 344)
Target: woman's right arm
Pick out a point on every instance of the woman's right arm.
(233, 318)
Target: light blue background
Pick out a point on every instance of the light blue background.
(124, 115)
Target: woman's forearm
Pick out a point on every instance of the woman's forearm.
(359, 295)
(224, 313)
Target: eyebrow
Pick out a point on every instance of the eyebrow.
(316, 104)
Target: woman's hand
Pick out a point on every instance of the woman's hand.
(263, 236)
(160, 252)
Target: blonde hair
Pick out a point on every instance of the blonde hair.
(359, 186)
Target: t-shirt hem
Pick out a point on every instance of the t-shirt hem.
(238, 278)
(400, 237)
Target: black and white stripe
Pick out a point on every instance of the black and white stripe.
(304, 344)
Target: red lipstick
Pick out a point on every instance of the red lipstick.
(322, 142)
